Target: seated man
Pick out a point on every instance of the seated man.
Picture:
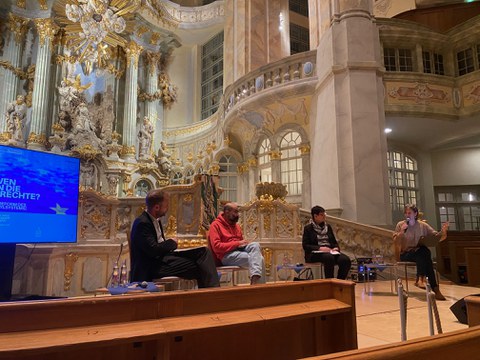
(152, 256)
(231, 249)
(320, 245)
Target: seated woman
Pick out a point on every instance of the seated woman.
(408, 237)
(320, 245)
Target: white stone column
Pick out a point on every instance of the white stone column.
(307, 181)
(46, 29)
(130, 114)
(154, 109)
(13, 55)
(348, 143)
(275, 157)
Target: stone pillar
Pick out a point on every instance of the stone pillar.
(256, 34)
(348, 144)
(307, 181)
(13, 55)
(154, 109)
(46, 29)
(275, 157)
(130, 114)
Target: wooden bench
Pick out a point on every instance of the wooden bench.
(460, 344)
(473, 310)
(266, 321)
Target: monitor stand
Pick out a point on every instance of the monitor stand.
(7, 263)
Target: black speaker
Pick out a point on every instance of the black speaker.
(459, 309)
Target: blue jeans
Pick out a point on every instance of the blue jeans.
(249, 257)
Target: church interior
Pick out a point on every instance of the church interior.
(358, 106)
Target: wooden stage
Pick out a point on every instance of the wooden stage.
(273, 321)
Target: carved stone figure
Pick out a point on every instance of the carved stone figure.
(67, 94)
(88, 178)
(145, 136)
(112, 184)
(16, 118)
(163, 159)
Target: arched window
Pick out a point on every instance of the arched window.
(264, 165)
(403, 179)
(291, 162)
(228, 178)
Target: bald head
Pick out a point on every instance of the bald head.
(230, 213)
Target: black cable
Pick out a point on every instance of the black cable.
(26, 261)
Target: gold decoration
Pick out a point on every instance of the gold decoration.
(158, 12)
(116, 136)
(171, 230)
(4, 137)
(163, 183)
(128, 150)
(252, 161)
(99, 24)
(70, 260)
(34, 138)
(21, 4)
(43, 4)
(187, 198)
(189, 130)
(190, 156)
(57, 128)
(46, 29)
(18, 26)
(152, 59)
(142, 29)
(267, 222)
(144, 96)
(214, 169)
(304, 149)
(17, 71)
(133, 51)
(226, 141)
(267, 256)
(275, 155)
(272, 189)
(97, 217)
(154, 39)
(242, 168)
(86, 152)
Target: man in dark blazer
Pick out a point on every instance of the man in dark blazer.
(152, 256)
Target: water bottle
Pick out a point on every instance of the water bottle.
(115, 275)
(123, 274)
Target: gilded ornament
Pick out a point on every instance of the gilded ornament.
(34, 138)
(21, 4)
(304, 149)
(226, 141)
(187, 198)
(142, 29)
(275, 190)
(152, 60)
(253, 162)
(214, 169)
(242, 168)
(133, 51)
(17, 71)
(43, 4)
(86, 152)
(163, 183)
(171, 230)
(154, 38)
(275, 155)
(190, 156)
(128, 150)
(70, 260)
(46, 29)
(18, 26)
(5, 137)
(268, 256)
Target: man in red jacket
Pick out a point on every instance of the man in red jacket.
(229, 247)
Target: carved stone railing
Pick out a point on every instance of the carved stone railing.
(290, 70)
(187, 17)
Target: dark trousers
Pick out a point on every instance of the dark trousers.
(423, 258)
(191, 264)
(329, 261)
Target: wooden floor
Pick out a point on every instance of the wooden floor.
(378, 317)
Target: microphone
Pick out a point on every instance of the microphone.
(116, 262)
(407, 221)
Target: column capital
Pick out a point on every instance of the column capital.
(133, 51)
(46, 29)
(275, 155)
(18, 26)
(152, 59)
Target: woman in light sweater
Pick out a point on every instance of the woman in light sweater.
(408, 236)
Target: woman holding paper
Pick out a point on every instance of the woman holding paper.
(320, 245)
(408, 237)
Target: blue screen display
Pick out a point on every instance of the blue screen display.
(38, 196)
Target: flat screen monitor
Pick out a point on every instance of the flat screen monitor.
(38, 196)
